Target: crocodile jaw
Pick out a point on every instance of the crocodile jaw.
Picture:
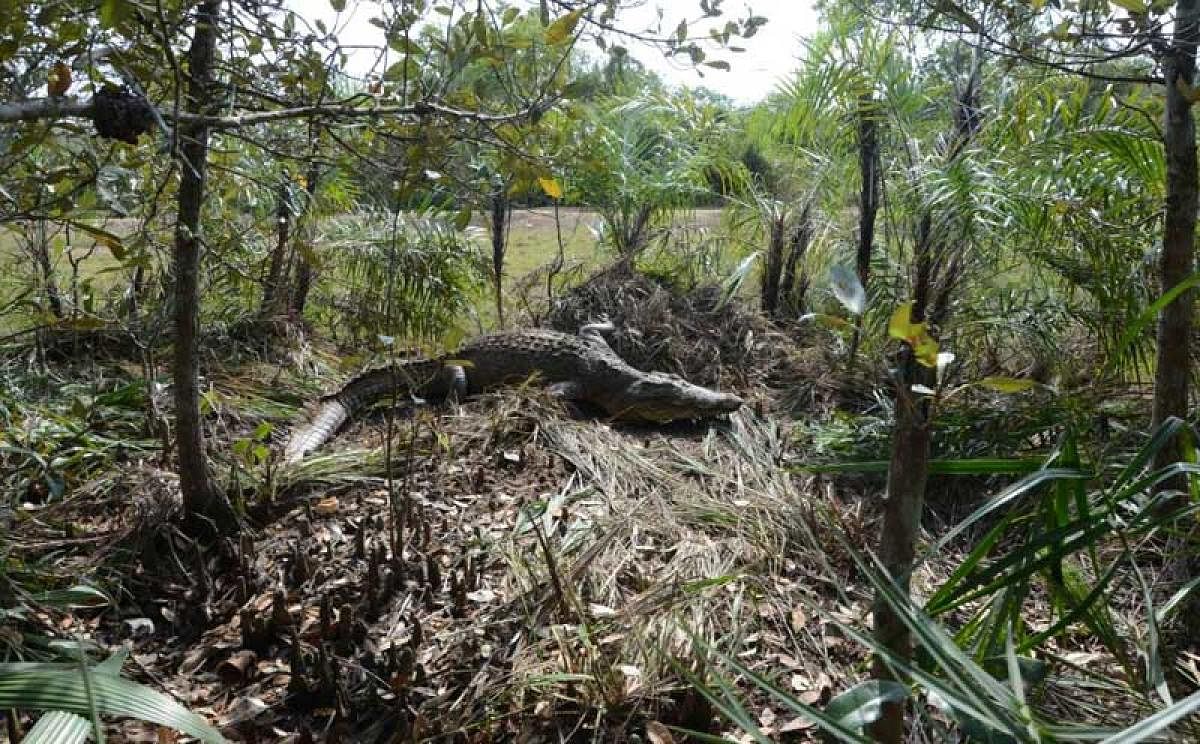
(661, 397)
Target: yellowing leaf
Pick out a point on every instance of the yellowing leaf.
(551, 187)
(104, 237)
(562, 28)
(899, 327)
(1007, 384)
(1133, 6)
(925, 349)
(916, 335)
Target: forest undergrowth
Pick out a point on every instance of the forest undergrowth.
(541, 575)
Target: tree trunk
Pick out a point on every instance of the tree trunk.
(304, 272)
(203, 502)
(908, 473)
(791, 294)
(1175, 264)
(635, 235)
(39, 244)
(868, 198)
(283, 217)
(501, 209)
(769, 283)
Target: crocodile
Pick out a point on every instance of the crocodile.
(581, 368)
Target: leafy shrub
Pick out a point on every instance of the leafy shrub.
(408, 276)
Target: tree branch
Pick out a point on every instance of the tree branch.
(37, 109)
(44, 108)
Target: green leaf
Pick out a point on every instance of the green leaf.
(113, 12)
(61, 687)
(338, 5)
(77, 596)
(832, 322)
(562, 28)
(59, 727)
(1007, 384)
(82, 323)
(405, 45)
(862, 704)
(718, 64)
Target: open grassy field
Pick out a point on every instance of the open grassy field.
(533, 245)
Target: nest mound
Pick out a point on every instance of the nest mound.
(695, 334)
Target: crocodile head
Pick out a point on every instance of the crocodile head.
(660, 397)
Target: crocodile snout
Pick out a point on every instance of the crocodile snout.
(663, 397)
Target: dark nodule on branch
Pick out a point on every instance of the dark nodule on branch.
(121, 114)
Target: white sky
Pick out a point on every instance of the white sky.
(769, 57)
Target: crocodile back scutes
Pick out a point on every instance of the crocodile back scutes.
(503, 358)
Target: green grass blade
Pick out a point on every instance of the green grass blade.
(1159, 439)
(1080, 610)
(1007, 496)
(938, 602)
(1148, 727)
(828, 723)
(1169, 606)
(77, 596)
(1018, 565)
(965, 466)
(862, 704)
(1135, 329)
(730, 708)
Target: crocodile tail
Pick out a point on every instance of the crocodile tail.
(427, 378)
(328, 419)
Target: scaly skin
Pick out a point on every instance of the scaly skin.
(581, 368)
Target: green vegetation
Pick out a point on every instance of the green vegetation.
(949, 261)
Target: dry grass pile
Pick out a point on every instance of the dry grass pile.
(658, 542)
(695, 335)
